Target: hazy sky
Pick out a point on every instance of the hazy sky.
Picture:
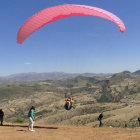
(75, 44)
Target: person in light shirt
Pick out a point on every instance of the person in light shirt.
(31, 118)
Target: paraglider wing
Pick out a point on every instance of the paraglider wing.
(54, 13)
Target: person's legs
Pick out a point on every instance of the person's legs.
(100, 122)
(1, 120)
(31, 123)
(29, 127)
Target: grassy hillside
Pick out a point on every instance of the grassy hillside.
(117, 96)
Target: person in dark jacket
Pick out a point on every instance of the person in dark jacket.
(31, 118)
(100, 119)
(139, 120)
(1, 116)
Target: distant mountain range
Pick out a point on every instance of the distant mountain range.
(136, 72)
(32, 76)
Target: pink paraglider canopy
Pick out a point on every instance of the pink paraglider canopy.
(54, 13)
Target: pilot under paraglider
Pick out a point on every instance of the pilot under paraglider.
(69, 102)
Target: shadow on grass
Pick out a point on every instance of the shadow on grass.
(18, 125)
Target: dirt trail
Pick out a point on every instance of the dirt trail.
(60, 132)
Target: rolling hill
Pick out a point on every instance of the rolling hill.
(118, 96)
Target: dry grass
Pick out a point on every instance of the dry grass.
(61, 132)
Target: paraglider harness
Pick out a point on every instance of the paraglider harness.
(68, 104)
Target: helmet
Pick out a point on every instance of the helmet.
(69, 97)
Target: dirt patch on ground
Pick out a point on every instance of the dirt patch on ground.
(60, 132)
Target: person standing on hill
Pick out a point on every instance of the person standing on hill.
(100, 119)
(1, 116)
(31, 118)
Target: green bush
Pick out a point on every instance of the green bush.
(19, 120)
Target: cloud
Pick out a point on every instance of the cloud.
(27, 63)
